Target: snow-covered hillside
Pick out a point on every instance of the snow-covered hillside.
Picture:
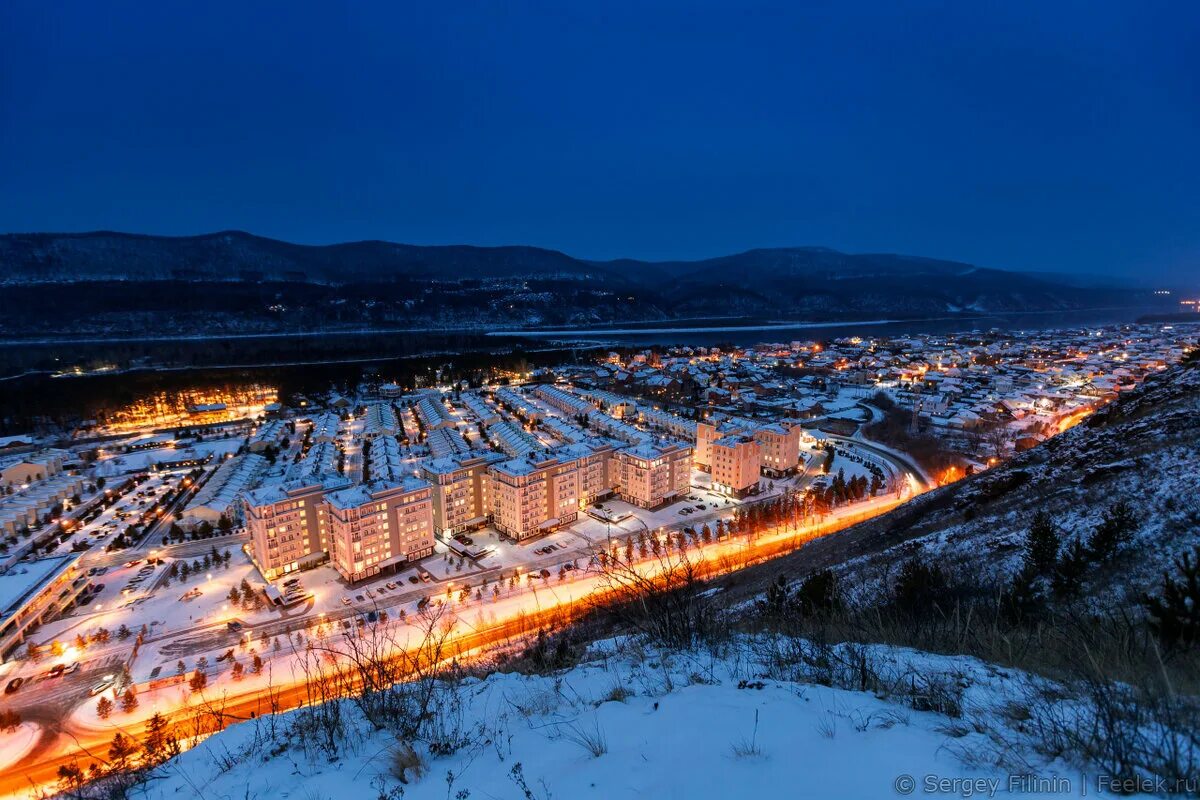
(1144, 448)
(631, 722)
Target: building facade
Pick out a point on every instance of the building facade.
(654, 474)
(736, 462)
(37, 592)
(378, 526)
(780, 446)
(460, 491)
(288, 525)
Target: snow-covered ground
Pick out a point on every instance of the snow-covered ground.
(632, 722)
(16, 743)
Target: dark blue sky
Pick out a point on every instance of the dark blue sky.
(1044, 136)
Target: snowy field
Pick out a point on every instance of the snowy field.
(633, 723)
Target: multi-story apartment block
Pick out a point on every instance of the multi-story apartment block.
(36, 592)
(780, 446)
(534, 494)
(706, 434)
(459, 490)
(597, 467)
(736, 461)
(653, 474)
(379, 525)
(288, 524)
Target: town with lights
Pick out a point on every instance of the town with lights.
(194, 545)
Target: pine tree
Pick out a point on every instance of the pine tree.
(104, 707)
(198, 681)
(819, 592)
(120, 751)
(159, 744)
(1112, 532)
(1041, 546)
(1072, 566)
(919, 587)
(1175, 614)
(129, 701)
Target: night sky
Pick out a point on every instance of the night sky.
(1051, 136)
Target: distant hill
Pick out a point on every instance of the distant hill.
(256, 283)
(235, 255)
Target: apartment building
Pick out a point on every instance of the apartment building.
(652, 474)
(459, 490)
(288, 524)
(780, 448)
(736, 463)
(596, 464)
(35, 592)
(534, 494)
(380, 420)
(432, 413)
(706, 434)
(32, 468)
(378, 526)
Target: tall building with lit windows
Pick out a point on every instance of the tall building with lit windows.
(288, 524)
(459, 490)
(780, 445)
(652, 474)
(378, 526)
(736, 461)
(533, 494)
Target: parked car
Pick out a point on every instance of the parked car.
(233, 625)
(56, 671)
(73, 668)
(345, 601)
(13, 685)
(413, 579)
(390, 584)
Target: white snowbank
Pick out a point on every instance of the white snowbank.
(664, 726)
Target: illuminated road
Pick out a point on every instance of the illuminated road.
(536, 604)
(520, 611)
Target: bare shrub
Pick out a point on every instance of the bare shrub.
(590, 739)
(405, 763)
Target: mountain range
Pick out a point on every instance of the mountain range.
(251, 278)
